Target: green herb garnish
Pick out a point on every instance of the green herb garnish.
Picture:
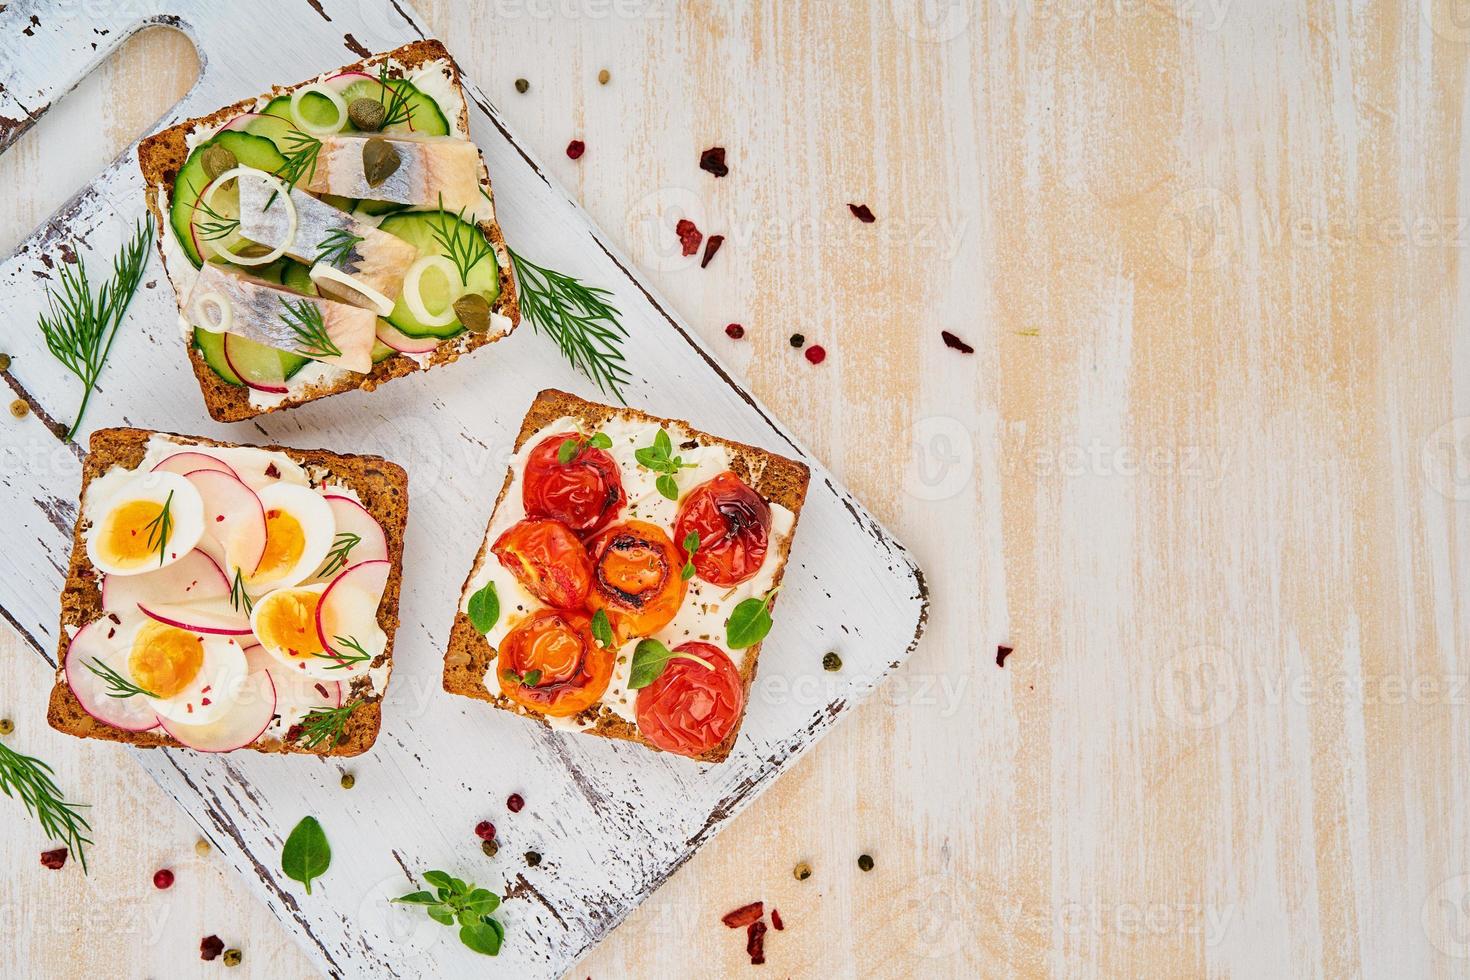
(342, 660)
(579, 318)
(573, 447)
(461, 241)
(307, 855)
(161, 527)
(396, 110)
(750, 622)
(602, 629)
(81, 324)
(336, 247)
(30, 779)
(484, 608)
(301, 153)
(218, 226)
(307, 323)
(658, 458)
(118, 686)
(650, 660)
(529, 679)
(325, 725)
(239, 598)
(691, 545)
(336, 559)
(455, 901)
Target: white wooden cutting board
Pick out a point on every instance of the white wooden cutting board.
(612, 820)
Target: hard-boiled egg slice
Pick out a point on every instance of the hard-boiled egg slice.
(150, 521)
(284, 621)
(189, 678)
(299, 529)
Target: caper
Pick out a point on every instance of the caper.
(473, 311)
(831, 661)
(348, 780)
(379, 161)
(366, 114)
(802, 871)
(233, 957)
(218, 159)
(19, 408)
(6, 726)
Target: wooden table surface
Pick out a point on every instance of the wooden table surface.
(1208, 471)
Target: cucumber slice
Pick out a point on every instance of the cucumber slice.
(273, 128)
(380, 207)
(316, 109)
(212, 347)
(249, 149)
(297, 276)
(425, 115)
(419, 229)
(381, 351)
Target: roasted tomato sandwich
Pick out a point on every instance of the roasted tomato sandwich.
(225, 597)
(330, 235)
(627, 578)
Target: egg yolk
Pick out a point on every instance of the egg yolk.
(284, 543)
(126, 533)
(288, 623)
(165, 659)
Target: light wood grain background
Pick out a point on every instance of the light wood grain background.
(1208, 471)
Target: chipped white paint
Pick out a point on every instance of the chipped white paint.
(612, 820)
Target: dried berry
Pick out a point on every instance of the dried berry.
(713, 161)
(4, 362)
(217, 159)
(575, 149)
(802, 871)
(831, 662)
(955, 343)
(348, 780)
(490, 847)
(473, 311)
(755, 943)
(210, 947)
(734, 331)
(380, 160)
(776, 920)
(6, 726)
(366, 114)
(485, 830)
(513, 803)
(532, 858)
(522, 85)
(862, 212)
(201, 847)
(798, 340)
(233, 957)
(689, 236)
(744, 915)
(865, 862)
(1001, 652)
(603, 77)
(19, 408)
(816, 353)
(711, 246)
(54, 859)
(163, 878)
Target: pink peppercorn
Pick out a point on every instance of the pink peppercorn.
(576, 148)
(734, 331)
(816, 353)
(163, 878)
(514, 803)
(485, 830)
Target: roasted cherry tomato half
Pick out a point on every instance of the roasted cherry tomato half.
(734, 526)
(549, 560)
(551, 663)
(635, 578)
(692, 708)
(585, 494)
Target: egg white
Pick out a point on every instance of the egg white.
(318, 528)
(220, 681)
(186, 519)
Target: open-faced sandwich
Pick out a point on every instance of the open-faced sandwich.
(330, 235)
(627, 577)
(223, 597)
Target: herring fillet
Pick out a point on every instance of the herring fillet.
(431, 169)
(380, 260)
(256, 307)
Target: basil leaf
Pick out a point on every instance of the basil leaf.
(307, 855)
(649, 660)
(532, 678)
(691, 542)
(568, 450)
(688, 572)
(441, 915)
(662, 444)
(437, 878)
(482, 937)
(749, 623)
(602, 629)
(650, 458)
(416, 898)
(667, 487)
(600, 440)
(484, 609)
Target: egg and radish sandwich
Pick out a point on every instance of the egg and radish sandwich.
(627, 578)
(224, 597)
(330, 235)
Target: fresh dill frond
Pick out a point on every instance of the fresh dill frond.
(300, 152)
(342, 660)
(239, 598)
(218, 226)
(30, 779)
(307, 323)
(336, 559)
(161, 527)
(118, 686)
(461, 241)
(336, 247)
(396, 110)
(579, 318)
(325, 725)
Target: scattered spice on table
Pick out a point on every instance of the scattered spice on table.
(19, 408)
(713, 161)
(514, 803)
(865, 862)
(1001, 652)
(163, 879)
(776, 920)
(802, 871)
(490, 848)
(604, 76)
(816, 353)
(744, 915)
(233, 957)
(755, 943)
(6, 726)
(348, 780)
(798, 340)
(862, 212)
(4, 362)
(575, 149)
(955, 343)
(522, 85)
(734, 331)
(485, 830)
(689, 236)
(711, 246)
(210, 947)
(533, 858)
(201, 847)
(54, 859)
(831, 662)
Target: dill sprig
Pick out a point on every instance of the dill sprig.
(218, 226)
(341, 660)
(161, 527)
(307, 323)
(342, 546)
(82, 323)
(396, 110)
(300, 152)
(336, 247)
(238, 596)
(461, 241)
(578, 317)
(325, 725)
(118, 686)
(30, 779)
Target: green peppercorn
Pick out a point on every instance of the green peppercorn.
(19, 408)
(6, 726)
(802, 871)
(366, 114)
(201, 847)
(865, 862)
(830, 661)
(532, 858)
(233, 957)
(348, 780)
(4, 362)
(522, 85)
(603, 77)
(490, 847)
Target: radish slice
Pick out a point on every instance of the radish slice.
(352, 517)
(186, 463)
(403, 343)
(193, 578)
(413, 280)
(234, 521)
(218, 618)
(134, 714)
(248, 719)
(294, 692)
(341, 81)
(329, 94)
(249, 370)
(349, 608)
(242, 120)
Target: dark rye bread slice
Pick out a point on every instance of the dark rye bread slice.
(776, 478)
(163, 154)
(383, 488)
